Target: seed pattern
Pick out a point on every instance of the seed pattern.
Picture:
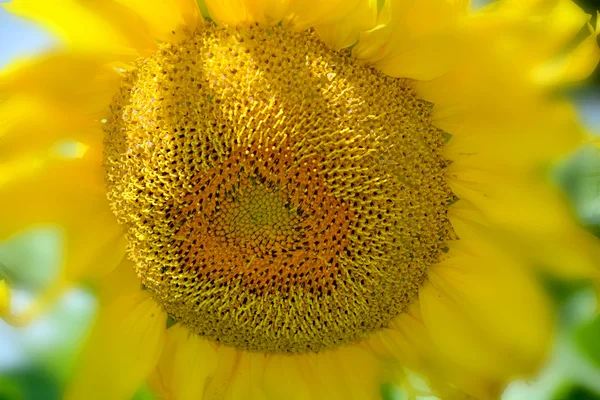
(277, 195)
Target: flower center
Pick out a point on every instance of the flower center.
(277, 196)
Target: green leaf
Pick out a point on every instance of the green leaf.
(30, 384)
(144, 394)
(575, 392)
(390, 391)
(587, 339)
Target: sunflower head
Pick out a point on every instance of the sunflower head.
(277, 195)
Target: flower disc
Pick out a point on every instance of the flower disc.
(277, 196)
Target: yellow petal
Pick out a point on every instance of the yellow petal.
(301, 14)
(123, 348)
(350, 372)
(70, 194)
(490, 40)
(220, 381)
(532, 217)
(422, 58)
(575, 65)
(414, 39)
(526, 203)
(4, 298)
(282, 373)
(59, 97)
(123, 279)
(345, 33)
(543, 26)
(248, 376)
(532, 32)
(486, 313)
(520, 141)
(89, 27)
(359, 370)
(466, 219)
(409, 334)
(85, 84)
(30, 126)
(167, 21)
(410, 343)
(371, 43)
(186, 364)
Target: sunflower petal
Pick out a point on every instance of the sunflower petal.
(56, 98)
(85, 84)
(186, 364)
(344, 34)
(485, 312)
(301, 14)
(410, 343)
(282, 373)
(574, 66)
(248, 377)
(533, 218)
(350, 372)
(124, 346)
(403, 46)
(89, 27)
(69, 193)
(167, 21)
(4, 298)
(522, 140)
(30, 126)
(220, 381)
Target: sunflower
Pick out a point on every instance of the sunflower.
(297, 199)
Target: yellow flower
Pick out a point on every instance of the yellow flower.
(294, 199)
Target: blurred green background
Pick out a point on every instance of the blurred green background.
(36, 361)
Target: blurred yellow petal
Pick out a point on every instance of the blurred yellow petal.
(534, 214)
(220, 381)
(78, 83)
(248, 377)
(89, 27)
(521, 202)
(4, 298)
(168, 21)
(187, 363)
(414, 39)
(301, 14)
(124, 346)
(29, 125)
(466, 219)
(575, 65)
(57, 98)
(522, 142)
(371, 43)
(40, 304)
(341, 35)
(532, 32)
(485, 313)
(69, 193)
(349, 372)
(358, 370)
(411, 344)
(422, 59)
(282, 373)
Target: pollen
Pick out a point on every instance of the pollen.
(277, 195)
